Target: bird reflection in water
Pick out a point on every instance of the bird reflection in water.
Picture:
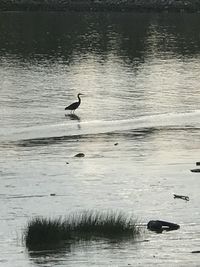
(73, 117)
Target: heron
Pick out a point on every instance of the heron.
(74, 105)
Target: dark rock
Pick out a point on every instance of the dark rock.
(159, 226)
(154, 225)
(195, 170)
(196, 251)
(80, 155)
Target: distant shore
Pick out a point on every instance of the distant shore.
(101, 5)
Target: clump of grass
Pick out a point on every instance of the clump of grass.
(90, 224)
(42, 232)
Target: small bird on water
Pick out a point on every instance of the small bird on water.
(74, 105)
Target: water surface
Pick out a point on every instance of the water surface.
(138, 125)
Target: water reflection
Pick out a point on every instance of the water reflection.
(66, 254)
(73, 117)
(64, 35)
(52, 256)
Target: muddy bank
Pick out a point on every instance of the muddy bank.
(101, 5)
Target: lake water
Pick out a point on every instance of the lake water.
(138, 126)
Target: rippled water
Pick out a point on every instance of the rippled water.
(138, 125)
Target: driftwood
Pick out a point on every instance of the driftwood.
(186, 198)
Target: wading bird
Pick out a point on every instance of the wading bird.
(74, 105)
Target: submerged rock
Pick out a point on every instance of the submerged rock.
(80, 155)
(159, 226)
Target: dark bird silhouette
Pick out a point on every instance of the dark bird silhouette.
(74, 105)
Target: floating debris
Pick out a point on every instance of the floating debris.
(159, 226)
(80, 155)
(186, 198)
(195, 170)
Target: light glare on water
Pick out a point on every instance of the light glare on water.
(138, 126)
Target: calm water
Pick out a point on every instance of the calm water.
(140, 75)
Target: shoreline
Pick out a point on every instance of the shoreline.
(189, 6)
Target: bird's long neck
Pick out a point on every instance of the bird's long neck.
(79, 99)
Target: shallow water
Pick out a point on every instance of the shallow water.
(138, 126)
